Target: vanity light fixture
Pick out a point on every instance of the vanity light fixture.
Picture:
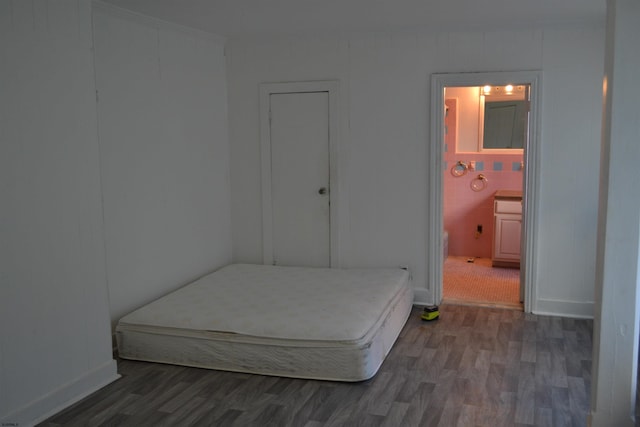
(506, 90)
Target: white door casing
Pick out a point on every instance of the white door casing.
(298, 137)
(530, 181)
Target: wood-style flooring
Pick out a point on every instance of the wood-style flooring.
(475, 366)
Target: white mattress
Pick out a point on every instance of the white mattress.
(334, 324)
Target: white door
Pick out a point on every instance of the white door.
(300, 193)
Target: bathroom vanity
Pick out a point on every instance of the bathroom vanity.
(507, 213)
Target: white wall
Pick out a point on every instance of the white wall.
(384, 96)
(616, 331)
(118, 202)
(164, 155)
(55, 343)
(573, 64)
(468, 118)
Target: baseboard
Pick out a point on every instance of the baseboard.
(602, 419)
(55, 401)
(421, 296)
(544, 307)
(578, 310)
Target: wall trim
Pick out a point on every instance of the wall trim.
(420, 296)
(63, 397)
(545, 307)
(603, 418)
(574, 309)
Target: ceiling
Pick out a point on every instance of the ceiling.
(258, 18)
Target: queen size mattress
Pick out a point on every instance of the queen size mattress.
(321, 323)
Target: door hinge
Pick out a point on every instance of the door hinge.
(97, 96)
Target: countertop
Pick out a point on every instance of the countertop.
(508, 195)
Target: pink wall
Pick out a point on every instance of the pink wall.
(464, 208)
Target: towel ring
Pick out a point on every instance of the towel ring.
(479, 183)
(459, 169)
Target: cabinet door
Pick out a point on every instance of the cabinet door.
(507, 237)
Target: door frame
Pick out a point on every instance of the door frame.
(530, 180)
(266, 90)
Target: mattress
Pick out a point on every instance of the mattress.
(320, 323)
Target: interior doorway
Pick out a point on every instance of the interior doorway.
(477, 170)
(484, 140)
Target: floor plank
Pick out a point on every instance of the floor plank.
(476, 366)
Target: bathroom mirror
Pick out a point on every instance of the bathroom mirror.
(491, 119)
(503, 121)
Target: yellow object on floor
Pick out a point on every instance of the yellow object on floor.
(431, 312)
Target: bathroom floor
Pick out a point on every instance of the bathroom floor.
(478, 283)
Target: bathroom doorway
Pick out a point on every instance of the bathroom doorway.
(484, 135)
(484, 141)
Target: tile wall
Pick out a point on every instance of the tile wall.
(464, 208)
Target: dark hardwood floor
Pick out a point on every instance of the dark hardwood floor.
(475, 366)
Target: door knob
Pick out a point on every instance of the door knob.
(322, 191)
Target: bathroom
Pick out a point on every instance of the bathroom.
(485, 138)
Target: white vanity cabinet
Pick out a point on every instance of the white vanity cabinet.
(507, 212)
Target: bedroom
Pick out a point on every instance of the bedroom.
(151, 242)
